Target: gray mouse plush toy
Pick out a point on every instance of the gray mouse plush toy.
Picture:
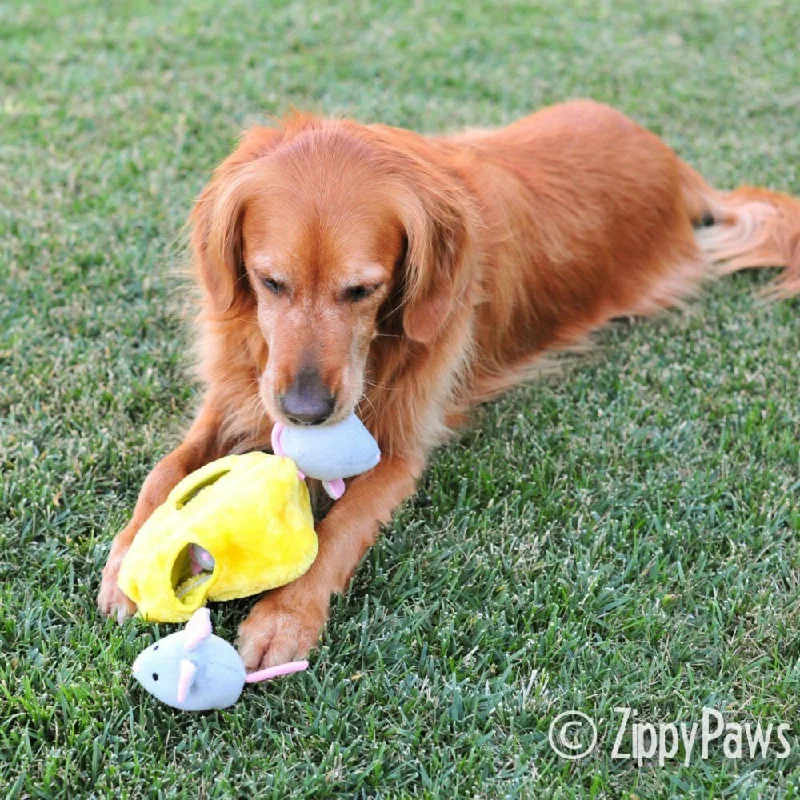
(193, 670)
(329, 453)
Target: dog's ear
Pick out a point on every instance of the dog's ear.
(216, 222)
(437, 215)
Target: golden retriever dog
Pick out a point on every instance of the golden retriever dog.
(346, 266)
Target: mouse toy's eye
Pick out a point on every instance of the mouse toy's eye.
(276, 287)
(155, 676)
(156, 647)
(353, 294)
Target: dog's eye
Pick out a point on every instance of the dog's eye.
(355, 293)
(276, 287)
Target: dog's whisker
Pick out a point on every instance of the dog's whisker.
(372, 405)
(385, 386)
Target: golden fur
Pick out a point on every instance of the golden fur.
(419, 276)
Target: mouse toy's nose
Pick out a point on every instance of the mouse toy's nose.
(307, 401)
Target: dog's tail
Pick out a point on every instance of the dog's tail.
(745, 228)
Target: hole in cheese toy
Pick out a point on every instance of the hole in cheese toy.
(236, 527)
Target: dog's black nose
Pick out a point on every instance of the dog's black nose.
(307, 401)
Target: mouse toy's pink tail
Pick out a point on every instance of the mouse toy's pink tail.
(276, 672)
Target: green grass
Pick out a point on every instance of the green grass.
(624, 536)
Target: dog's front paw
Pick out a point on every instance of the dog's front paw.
(283, 626)
(110, 599)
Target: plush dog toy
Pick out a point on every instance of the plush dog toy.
(242, 524)
(236, 527)
(329, 453)
(193, 670)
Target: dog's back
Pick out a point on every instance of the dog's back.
(587, 216)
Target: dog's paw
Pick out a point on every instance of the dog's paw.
(110, 599)
(283, 626)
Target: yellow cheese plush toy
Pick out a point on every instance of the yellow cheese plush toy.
(236, 527)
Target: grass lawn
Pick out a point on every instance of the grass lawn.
(624, 536)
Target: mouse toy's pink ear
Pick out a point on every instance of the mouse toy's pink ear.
(197, 629)
(277, 447)
(277, 430)
(185, 678)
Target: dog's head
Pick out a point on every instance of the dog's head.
(324, 232)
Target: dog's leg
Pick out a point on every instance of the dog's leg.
(201, 445)
(286, 623)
